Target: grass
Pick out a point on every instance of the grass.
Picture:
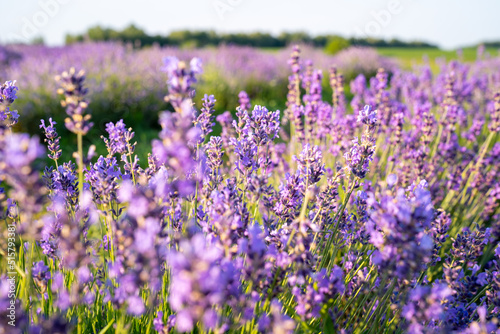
(409, 57)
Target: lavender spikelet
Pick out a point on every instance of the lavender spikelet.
(397, 229)
(119, 139)
(439, 231)
(8, 118)
(266, 124)
(8, 92)
(246, 151)
(312, 100)
(309, 163)
(74, 101)
(103, 179)
(380, 85)
(198, 283)
(180, 82)
(293, 96)
(176, 151)
(425, 306)
(52, 140)
(276, 322)
(214, 154)
(338, 95)
(226, 121)
(244, 101)
(41, 275)
(361, 153)
(206, 117)
(290, 197)
(297, 111)
(495, 117)
(63, 183)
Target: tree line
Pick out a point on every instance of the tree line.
(188, 38)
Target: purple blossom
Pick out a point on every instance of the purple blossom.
(397, 228)
(425, 307)
(180, 82)
(244, 101)
(205, 119)
(309, 164)
(40, 272)
(74, 101)
(52, 139)
(8, 92)
(119, 138)
(368, 116)
(102, 178)
(198, 283)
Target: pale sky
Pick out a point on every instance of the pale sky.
(448, 23)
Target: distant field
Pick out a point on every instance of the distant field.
(409, 57)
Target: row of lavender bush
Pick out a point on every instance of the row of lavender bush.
(310, 220)
(126, 83)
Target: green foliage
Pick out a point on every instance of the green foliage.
(189, 38)
(336, 44)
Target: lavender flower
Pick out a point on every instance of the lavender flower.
(397, 229)
(244, 101)
(18, 167)
(52, 140)
(102, 178)
(205, 119)
(309, 163)
(214, 154)
(293, 96)
(7, 97)
(180, 82)
(315, 297)
(424, 309)
(119, 138)
(176, 151)
(276, 322)
(361, 153)
(368, 116)
(8, 92)
(41, 275)
(74, 101)
(291, 193)
(226, 121)
(495, 117)
(198, 284)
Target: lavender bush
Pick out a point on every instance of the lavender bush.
(314, 219)
(124, 83)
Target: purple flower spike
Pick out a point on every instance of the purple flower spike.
(74, 101)
(52, 139)
(180, 82)
(119, 138)
(8, 117)
(368, 116)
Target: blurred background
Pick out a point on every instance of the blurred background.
(244, 46)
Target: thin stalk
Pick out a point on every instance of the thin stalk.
(483, 151)
(336, 220)
(80, 163)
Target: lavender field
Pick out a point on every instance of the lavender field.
(236, 190)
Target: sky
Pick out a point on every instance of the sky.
(448, 23)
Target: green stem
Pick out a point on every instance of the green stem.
(483, 151)
(336, 220)
(131, 166)
(80, 164)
